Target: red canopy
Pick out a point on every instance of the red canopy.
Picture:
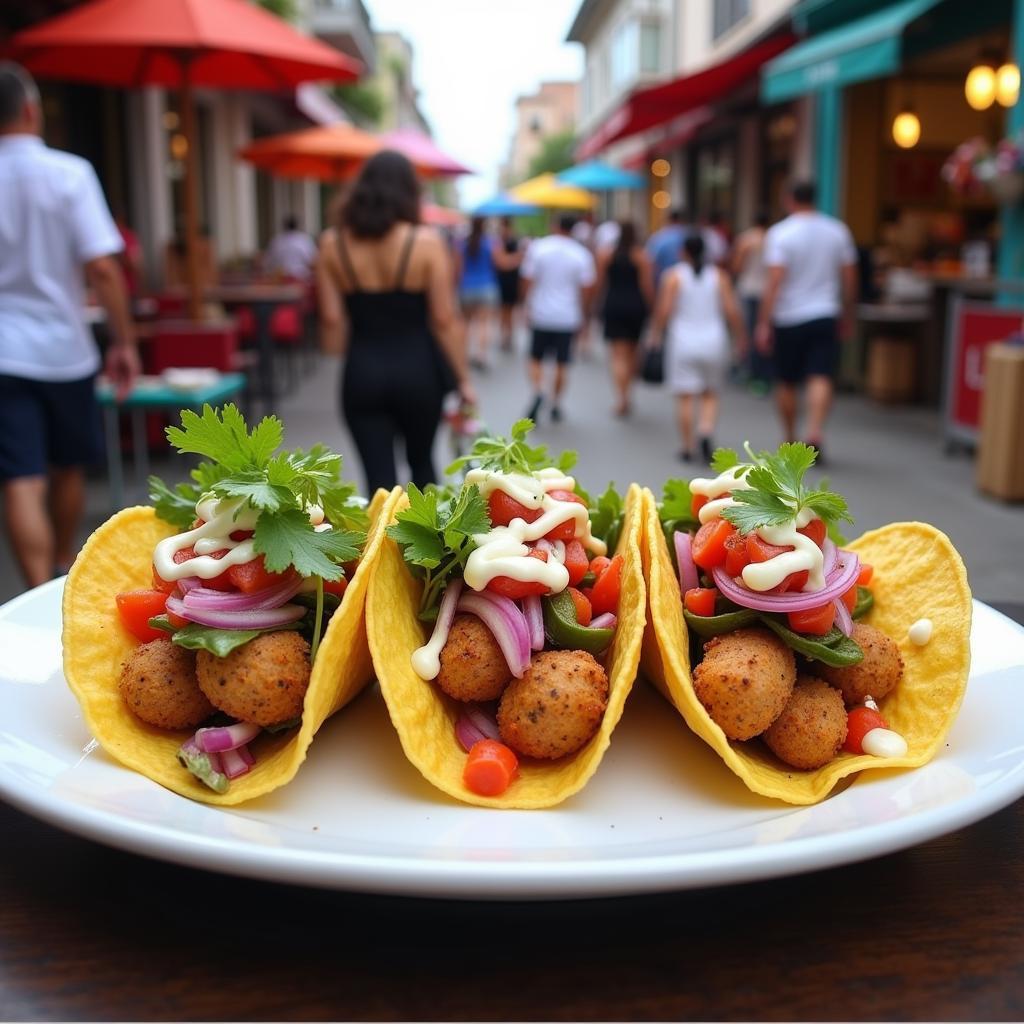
(228, 43)
(658, 104)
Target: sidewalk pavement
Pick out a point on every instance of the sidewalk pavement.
(888, 462)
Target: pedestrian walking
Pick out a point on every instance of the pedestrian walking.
(665, 246)
(405, 343)
(696, 307)
(716, 239)
(56, 236)
(508, 257)
(558, 277)
(751, 277)
(625, 277)
(478, 290)
(807, 308)
(291, 253)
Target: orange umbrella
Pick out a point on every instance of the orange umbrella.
(327, 152)
(179, 44)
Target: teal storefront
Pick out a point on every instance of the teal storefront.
(848, 42)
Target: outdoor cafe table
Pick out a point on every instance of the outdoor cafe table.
(151, 394)
(935, 932)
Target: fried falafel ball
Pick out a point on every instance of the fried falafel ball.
(744, 681)
(263, 681)
(557, 705)
(158, 683)
(812, 726)
(472, 665)
(876, 676)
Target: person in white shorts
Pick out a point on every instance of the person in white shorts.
(697, 305)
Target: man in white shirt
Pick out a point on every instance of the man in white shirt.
(56, 234)
(557, 276)
(807, 307)
(291, 253)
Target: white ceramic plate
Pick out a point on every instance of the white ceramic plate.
(662, 812)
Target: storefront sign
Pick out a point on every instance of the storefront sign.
(972, 327)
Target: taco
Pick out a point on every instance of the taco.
(213, 681)
(798, 659)
(505, 638)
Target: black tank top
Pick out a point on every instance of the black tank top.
(624, 295)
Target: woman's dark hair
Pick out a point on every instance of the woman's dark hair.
(694, 248)
(386, 192)
(627, 238)
(475, 238)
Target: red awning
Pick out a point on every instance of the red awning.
(655, 105)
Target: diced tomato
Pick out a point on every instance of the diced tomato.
(584, 611)
(792, 584)
(490, 768)
(850, 598)
(708, 547)
(816, 530)
(165, 586)
(251, 576)
(504, 509)
(700, 600)
(859, 722)
(567, 530)
(817, 621)
(240, 535)
(599, 563)
(759, 550)
(699, 501)
(866, 572)
(605, 592)
(588, 593)
(736, 556)
(220, 582)
(136, 608)
(515, 589)
(576, 562)
(336, 587)
(175, 620)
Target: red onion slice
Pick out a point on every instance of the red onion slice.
(218, 738)
(233, 764)
(841, 579)
(246, 755)
(216, 763)
(267, 618)
(830, 555)
(189, 583)
(844, 620)
(473, 725)
(534, 613)
(605, 621)
(506, 623)
(684, 559)
(235, 601)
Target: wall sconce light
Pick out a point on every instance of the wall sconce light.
(906, 129)
(661, 200)
(661, 168)
(1007, 84)
(980, 84)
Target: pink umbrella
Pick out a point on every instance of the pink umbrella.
(430, 161)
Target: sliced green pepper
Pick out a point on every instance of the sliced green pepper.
(563, 630)
(725, 622)
(865, 601)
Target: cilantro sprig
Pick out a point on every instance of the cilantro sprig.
(436, 536)
(607, 512)
(512, 454)
(246, 464)
(776, 491)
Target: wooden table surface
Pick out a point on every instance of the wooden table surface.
(934, 932)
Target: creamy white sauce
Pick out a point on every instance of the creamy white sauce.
(920, 632)
(426, 660)
(718, 490)
(805, 556)
(503, 551)
(883, 743)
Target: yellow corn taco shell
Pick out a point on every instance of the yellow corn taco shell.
(118, 557)
(425, 717)
(918, 574)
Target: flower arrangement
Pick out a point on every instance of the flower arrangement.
(976, 168)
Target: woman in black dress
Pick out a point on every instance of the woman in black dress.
(626, 278)
(391, 280)
(508, 255)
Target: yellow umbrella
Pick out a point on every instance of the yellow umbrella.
(547, 190)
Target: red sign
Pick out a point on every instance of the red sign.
(977, 326)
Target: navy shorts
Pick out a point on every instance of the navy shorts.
(47, 423)
(806, 350)
(546, 342)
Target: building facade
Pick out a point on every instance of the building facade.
(552, 110)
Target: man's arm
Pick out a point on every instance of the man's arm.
(106, 278)
(763, 331)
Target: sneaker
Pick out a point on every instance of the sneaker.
(534, 411)
(707, 449)
(556, 414)
(685, 456)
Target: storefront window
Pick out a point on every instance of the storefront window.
(625, 54)
(650, 47)
(727, 13)
(716, 172)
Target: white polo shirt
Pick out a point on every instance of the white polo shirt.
(813, 248)
(53, 219)
(557, 267)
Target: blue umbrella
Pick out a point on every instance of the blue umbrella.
(504, 205)
(600, 177)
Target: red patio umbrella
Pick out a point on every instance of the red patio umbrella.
(179, 44)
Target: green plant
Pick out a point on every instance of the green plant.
(362, 99)
(555, 154)
(282, 8)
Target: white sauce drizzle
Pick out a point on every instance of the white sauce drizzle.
(883, 743)
(504, 552)
(426, 660)
(717, 490)
(920, 632)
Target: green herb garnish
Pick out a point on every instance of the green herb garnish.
(607, 512)
(675, 509)
(512, 455)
